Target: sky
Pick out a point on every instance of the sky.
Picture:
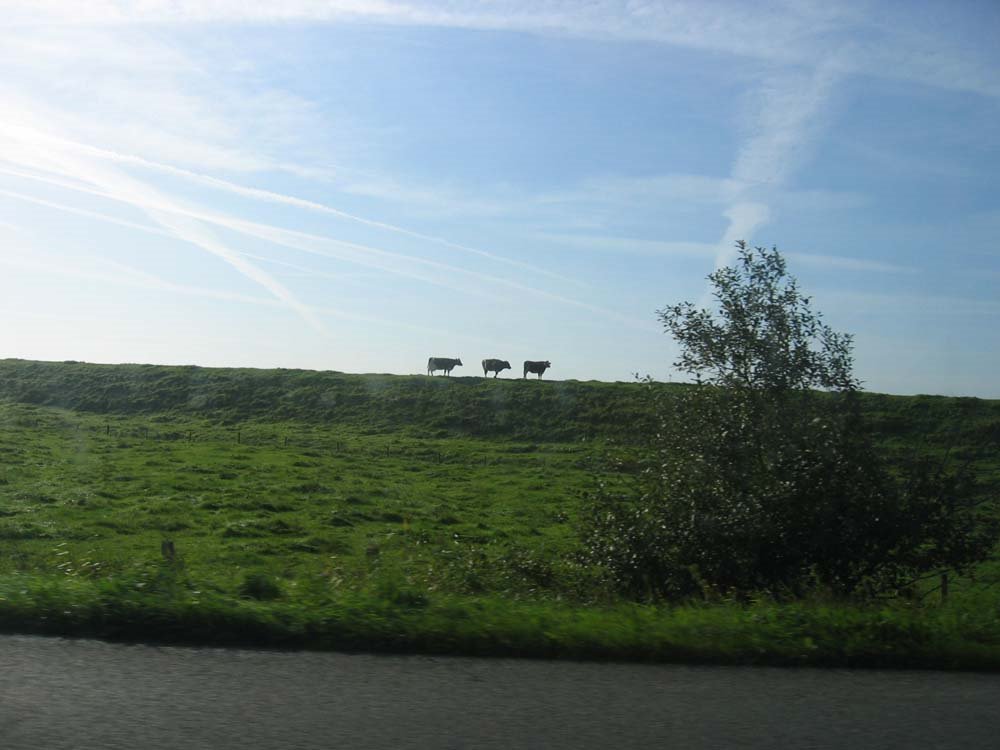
(358, 185)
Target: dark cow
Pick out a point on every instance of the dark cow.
(495, 366)
(442, 363)
(536, 367)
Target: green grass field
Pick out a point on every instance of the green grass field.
(348, 511)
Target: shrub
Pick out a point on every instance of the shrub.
(762, 477)
(259, 586)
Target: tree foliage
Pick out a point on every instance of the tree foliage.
(764, 337)
(762, 476)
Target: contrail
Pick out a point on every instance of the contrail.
(299, 241)
(181, 226)
(82, 211)
(270, 196)
(136, 278)
(788, 109)
(268, 236)
(132, 277)
(147, 229)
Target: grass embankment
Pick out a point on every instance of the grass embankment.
(391, 404)
(343, 511)
(159, 607)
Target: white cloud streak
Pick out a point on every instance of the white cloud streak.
(121, 274)
(364, 255)
(75, 210)
(708, 250)
(28, 136)
(113, 184)
(888, 41)
(782, 122)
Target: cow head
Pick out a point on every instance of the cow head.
(506, 364)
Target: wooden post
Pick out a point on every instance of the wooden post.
(239, 437)
(944, 587)
(167, 550)
(107, 429)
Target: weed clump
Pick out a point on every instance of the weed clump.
(260, 586)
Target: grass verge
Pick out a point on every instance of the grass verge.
(167, 608)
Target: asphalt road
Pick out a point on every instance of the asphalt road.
(59, 693)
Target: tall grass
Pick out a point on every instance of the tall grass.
(162, 607)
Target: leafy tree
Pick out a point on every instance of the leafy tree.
(765, 336)
(762, 476)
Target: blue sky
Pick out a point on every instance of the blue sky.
(359, 185)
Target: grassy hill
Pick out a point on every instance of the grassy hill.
(436, 514)
(547, 410)
(439, 406)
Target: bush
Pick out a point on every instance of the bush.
(259, 586)
(763, 477)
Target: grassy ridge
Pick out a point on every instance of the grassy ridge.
(471, 406)
(457, 406)
(390, 512)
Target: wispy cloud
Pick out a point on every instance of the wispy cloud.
(629, 245)
(889, 40)
(780, 123)
(77, 211)
(107, 271)
(186, 226)
(12, 228)
(782, 117)
(841, 263)
(744, 219)
(708, 250)
(921, 306)
(34, 137)
(114, 184)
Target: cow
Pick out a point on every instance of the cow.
(442, 363)
(536, 367)
(495, 366)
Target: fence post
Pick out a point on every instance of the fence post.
(239, 437)
(168, 550)
(944, 587)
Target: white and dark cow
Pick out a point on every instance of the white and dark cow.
(536, 367)
(495, 366)
(442, 363)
